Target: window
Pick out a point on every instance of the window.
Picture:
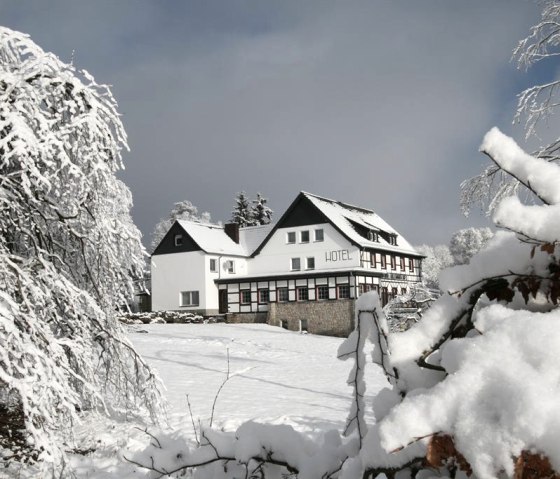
(310, 263)
(245, 296)
(373, 261)
(319, 235)
(291, 237)
(303, 324)
(304, 236)
(403, 265)
(393, 240)
(282, 295)
(372, 236)
(394, 293)
(411, 265)
(364, 288)
(189, 298)
(230, 266)
(178, 240)
(343, 291)
(323, 292)
(264, 296)
(393, 262)
(295, 264)
(213, 265)
(302, 294)
(383, 261)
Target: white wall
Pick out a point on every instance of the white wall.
(334, 252)
(176, 272)
(173, 273)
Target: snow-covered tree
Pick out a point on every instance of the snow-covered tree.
(467, 242)
(242, 213)
(183, 210)
(437, 258)
(260, 212)
(68, 249)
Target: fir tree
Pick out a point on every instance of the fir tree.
(262, 214)
(242, 214)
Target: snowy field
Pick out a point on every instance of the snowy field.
(278, 376)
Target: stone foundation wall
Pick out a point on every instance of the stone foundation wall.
(246, 318)
(332, 318)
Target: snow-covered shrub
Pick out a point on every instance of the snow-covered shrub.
(163, 317)
(68, 249)
(404, 310)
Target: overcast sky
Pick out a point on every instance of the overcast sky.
(382, 104)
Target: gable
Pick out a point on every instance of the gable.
(167, 244)
(302, 213)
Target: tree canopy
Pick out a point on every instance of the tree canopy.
(182, 210)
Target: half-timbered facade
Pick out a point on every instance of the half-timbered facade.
(304, 272)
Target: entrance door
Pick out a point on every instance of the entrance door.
(384, 296)
(222, 301)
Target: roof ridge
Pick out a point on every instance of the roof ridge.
(340, 203)
(194, 222)
(255, 226)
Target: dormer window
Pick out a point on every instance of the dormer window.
(372, 236)
(178, 240)
(393, 240)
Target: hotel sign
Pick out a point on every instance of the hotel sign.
(337, 255)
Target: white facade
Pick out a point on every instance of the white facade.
(332, 252)
(196, 271)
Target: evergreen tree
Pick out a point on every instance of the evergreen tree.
(242, 214)
(262, 214)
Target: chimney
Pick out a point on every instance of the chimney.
(232, 230)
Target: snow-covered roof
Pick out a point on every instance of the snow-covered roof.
(342, 215)
(251, 237)
(212, 238)
(348, 219)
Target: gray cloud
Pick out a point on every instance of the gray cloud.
(381, 104)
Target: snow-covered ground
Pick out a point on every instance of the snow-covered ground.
(278, 376)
